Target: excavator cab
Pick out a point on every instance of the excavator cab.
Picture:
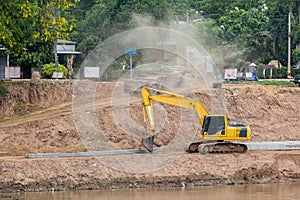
(213, 124)
(216, 127)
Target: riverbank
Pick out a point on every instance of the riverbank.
(43, 120)
(85, 173)
(288, 191)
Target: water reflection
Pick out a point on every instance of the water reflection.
(239, 192)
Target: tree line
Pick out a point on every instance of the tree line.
(237, 30)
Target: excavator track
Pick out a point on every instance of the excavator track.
(192, 147)
(212, 147)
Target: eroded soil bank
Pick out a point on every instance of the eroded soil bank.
(19, 174)
(39, 118)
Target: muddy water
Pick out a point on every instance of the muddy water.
(241, 192)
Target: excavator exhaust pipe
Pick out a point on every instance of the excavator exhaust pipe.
(148, 143)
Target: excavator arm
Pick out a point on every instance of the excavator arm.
(168, 98)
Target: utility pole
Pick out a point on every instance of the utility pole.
(187, 19)
(130, 66)
(130, 52)
(55, 56)
(289, 46)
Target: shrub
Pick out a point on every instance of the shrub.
(3, 90)
(48, 70)
(295, 72)
(276, 73)
(283, 72)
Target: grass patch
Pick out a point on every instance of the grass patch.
(276, 83)
(17, 108)
(121, 180)
(263, 82)
(101, 182)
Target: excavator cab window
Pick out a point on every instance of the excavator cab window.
(213, 124)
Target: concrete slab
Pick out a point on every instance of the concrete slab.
(252, 146)
(91, 153)
(286, 145)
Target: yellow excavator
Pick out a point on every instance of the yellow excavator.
(217, 134)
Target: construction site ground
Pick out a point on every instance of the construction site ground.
(39, 118)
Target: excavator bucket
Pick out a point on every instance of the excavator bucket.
(148, 143)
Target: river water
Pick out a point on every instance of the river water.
(236, 192)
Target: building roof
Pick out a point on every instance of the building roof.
(65, 47)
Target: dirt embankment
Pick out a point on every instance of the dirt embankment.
(18, 174)
(24, 97)
(271, 111)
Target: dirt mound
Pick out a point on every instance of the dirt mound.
(271, 111)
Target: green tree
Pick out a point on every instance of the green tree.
(213, 9)
(247, 29)
(107, 18)
(29, 28)
(23, 23)
(277, 13)
(16, 23)
(257, 29)
(82, 8)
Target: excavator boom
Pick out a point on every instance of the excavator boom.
(168, 98)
